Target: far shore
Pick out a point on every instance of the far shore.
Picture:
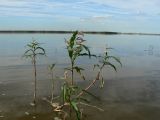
(68, 32)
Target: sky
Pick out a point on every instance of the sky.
(85, 15)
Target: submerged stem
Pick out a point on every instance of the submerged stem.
(52, 87)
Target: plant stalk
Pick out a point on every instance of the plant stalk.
(72, 73)
(93, 81)
(35, 80)
(52, 87)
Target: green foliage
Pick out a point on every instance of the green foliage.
(69, 96)
(76, 109)
(105, 60)
(33, 50)
(76, 48)
(78, 70)
(51, 67)
(71, 93)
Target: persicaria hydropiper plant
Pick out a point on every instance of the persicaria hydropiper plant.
(34, 50)
(72, 99)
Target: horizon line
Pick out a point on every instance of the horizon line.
(71, 31)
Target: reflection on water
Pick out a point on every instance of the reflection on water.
(150, 50)
(133, 93)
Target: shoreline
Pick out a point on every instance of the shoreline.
(69, 32)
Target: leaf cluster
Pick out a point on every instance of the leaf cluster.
(68, 94)
(33, 50)
(76, 47)
(105, 60)
(71, 93)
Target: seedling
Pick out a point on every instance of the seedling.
(33, 50)
(76, 48)
(104, 61)
(72, 94)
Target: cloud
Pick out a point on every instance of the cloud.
(36, 8)
(96, 18)
(132, 6)
(83, 9)
(49, 8)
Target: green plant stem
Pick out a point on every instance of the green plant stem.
(35, 79)
(70, 111)
(34, 50)
(72, 72)
(72, 83)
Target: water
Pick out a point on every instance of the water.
(139, 54)
(131, 93)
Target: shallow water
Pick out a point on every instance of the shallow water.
(132, 93)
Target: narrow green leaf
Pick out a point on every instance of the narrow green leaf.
(113, 66)
(68, 69)
(64, 92)
(76, 109)
(78, 70)
(73, 38)
(87, 49)
(40, 48)
(29, 45)
(40, 54)
(70, 52)
(52, 66)
(83, 99)
(117, 59)
(28, 51)
(86, 54)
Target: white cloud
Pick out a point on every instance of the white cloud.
(82, 9)
(133, 6)
(36, 8)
